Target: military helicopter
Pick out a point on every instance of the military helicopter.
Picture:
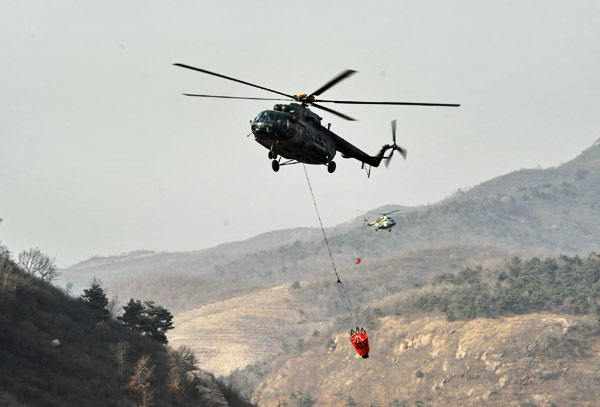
(294, 134)
(384, 222)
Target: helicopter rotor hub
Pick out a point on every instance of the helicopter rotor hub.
(304, 99)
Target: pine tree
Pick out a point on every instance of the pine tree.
(95, 298)
(134, 315)
(157, 322)
(147, 318)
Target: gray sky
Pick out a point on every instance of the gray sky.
(100, 153)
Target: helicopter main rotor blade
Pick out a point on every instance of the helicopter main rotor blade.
(230, 97)
(394, 131)
(387, 213)
(342, 115)
(360, 102)
(233, 79)
(333, 82)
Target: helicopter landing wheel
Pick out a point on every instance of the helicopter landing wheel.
(331, 166)
(390, 230)
(275, 165)
(272, 155)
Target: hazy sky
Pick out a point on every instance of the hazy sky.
(101, 154)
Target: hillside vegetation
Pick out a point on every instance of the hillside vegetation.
(567, 284)
(55, 352)
(524, 333)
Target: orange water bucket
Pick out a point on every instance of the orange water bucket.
(360, 341)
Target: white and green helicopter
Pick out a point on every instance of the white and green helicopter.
(385, 222)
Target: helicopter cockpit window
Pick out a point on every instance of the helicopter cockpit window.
(280, 118)
(261, 116)
(271, 116)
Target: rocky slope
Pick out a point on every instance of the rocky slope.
(247, 329)
(234, 333)
(529, 360)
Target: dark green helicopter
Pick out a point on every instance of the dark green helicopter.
(293, 132)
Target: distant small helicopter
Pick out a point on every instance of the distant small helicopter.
(384, 222)
(294, 132)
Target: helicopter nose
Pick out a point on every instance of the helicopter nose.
(262, 127)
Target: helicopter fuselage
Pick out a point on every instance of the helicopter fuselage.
(295, 132)
(385, 222)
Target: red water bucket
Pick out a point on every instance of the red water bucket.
(360, 341)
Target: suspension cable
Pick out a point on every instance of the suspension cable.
(341, 289)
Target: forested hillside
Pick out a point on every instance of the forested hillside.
(57, 351)
(564, 285)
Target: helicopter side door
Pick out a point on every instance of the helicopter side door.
(327, 143)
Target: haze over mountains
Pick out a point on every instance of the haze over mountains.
(554, 209)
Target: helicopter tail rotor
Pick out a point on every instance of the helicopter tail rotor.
(394, 147)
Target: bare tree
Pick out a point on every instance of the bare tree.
(188, 356)
(175, 379)
(36, 263)
(4, 252)
(118, 352)
(113, 306)
(139, 384)
(8, 278)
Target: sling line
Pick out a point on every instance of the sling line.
(341, 289)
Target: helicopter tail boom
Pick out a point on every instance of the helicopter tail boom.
(347, 150)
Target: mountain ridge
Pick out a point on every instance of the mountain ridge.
(554, 209)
